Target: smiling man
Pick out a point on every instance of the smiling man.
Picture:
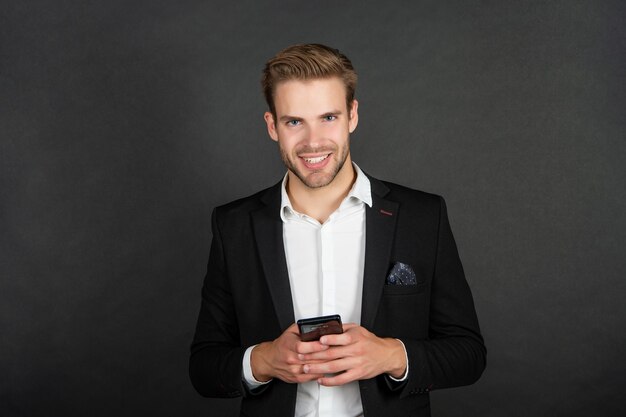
(313, 129)
(329, 239)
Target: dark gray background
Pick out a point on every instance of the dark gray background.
(124, 123)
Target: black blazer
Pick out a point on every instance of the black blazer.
(246, 299)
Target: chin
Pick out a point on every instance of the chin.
(318, 183)
(316, 180)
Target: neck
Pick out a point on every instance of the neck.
(320, 203)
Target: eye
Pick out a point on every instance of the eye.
(330, 118)
(293, 122)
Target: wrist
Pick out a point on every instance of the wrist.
(397, 359)
(259, 364)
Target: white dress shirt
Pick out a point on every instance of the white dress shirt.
(325, 264)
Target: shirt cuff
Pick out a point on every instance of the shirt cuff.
(406, 371)
(248, 377)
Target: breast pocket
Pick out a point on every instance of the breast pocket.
(403, 311)
(392, 290)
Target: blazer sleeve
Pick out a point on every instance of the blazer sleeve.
(454, 353)
(215, 364)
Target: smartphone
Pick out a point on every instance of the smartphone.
(316, 327)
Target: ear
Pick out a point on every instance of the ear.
(354, 116)
(271, 125)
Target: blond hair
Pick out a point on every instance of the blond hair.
(306, 62)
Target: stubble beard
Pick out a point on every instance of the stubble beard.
(315, 179)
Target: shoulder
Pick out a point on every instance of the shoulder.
(416, 205)
(234, 210)
(404, 195)
(416, 209)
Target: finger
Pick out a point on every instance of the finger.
(348, 326)
(332, 353)
(296, 374)
(301, 378)
(310, 347)
(329, 367)
(340, 379)
(293, 329)
(336, 339)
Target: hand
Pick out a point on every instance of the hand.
(279, 358)
(353, 355)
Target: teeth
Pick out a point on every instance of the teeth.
(316, 160)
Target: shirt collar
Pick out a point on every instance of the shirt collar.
(361, 192)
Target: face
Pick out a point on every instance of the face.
(312, 127)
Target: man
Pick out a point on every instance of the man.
(329, 239)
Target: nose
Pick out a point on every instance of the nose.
(313, 136)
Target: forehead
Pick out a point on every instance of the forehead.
(314, 96)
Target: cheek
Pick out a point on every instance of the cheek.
(341, 130)
(289, 134)
(289, 142)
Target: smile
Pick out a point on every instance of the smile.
(316, 160)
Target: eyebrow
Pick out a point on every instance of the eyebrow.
(287, 117)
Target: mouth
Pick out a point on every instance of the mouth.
(315, 162)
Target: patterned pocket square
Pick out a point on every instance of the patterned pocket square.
(401, 274)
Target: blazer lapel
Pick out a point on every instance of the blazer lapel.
(268, 232)
(380, 225)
